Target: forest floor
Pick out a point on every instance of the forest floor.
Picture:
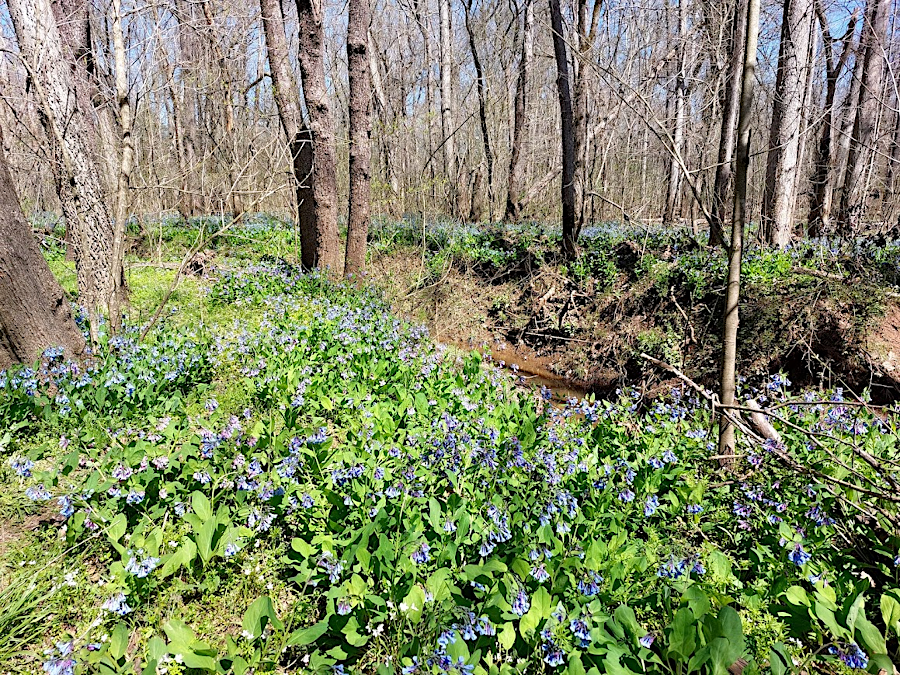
(286, 475)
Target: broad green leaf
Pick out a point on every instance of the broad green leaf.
(414, 604)
(683, 638)
(258, 614)
(305, 636)
(201, 506)
(890, 612)
(118, 641)
(507, 635)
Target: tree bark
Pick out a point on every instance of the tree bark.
(854, 196)
(482, 113)
(186, 107)
(819, 220)
(34, 313)
(360, 129)
(447, 107)
(516, 181)
(730, 111)
(567, 132)
(68, 124)
(738, 219)
(326, 252)
(674, 192)
(782, 168)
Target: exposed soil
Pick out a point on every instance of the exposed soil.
(577, 338)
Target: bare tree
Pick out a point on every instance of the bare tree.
(673, 195)
(520, 119)
(482, 111)
(326, 251)
(823, 178)
(730, 111)
(736, 246)
(782, 163)
(34, 312)
(447, 106)
(360, 128)
(567, 131)
(67, 123)
(854, 195)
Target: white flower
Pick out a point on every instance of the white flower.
(179, 658)
(247, 635)
(403, 607)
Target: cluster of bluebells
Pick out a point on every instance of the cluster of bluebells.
(851, 654)
(676, 568)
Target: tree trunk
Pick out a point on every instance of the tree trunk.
(727, 137)
(34, 313)
(874, 36)
(586, 33)
(360, 128)
(287, 101)
(520, 120)
(187, 107)
(738, 220)
(68, 125)
(447, 107)
(326, 252)
(819, 220)
(782, 168)
(674, 192)
(567, 132)
(482, 112)
(126, 164)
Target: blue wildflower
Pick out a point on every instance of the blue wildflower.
(521, 604)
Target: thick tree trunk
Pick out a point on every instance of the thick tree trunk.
(782, 168)
(34, 313)
(326, 253)
(819, 220)
(874, 36)
(520, 120)
(68, 126)
(739, 216)
(586, 34)
(447, 107)
(360, 129)
(728, 136)
(567, 132)
(482, 114)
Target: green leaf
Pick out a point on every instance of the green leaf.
(625, 617)
(205, 539)
(118, 641)
(890, 612)
(870, 636)
(507, 635)
(261, 612)
(201, 505)
(780, 661)
(576, 667)
(178, 631)
(302, 547)
(414, 603)
(351, 633)
(696, 600)
(116, 529)
(796, 595)
(182, 557)
(305, 636)
(683, 638)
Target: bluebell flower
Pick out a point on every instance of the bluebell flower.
(540, 573)
(412, 668)
(580, 630)
(554, 658)
(66, 508)
(521, 604)
(117, 605)
(135, 497)
(202, 477)
(651, 505)
(647, 640)
(798, 556)
(449, 526)
(343, 607)
(420, 555)
(231, 549)
(694, 509)
(626, 496)
(38, 493)
(21, 465)
(447, 637)
(140, 565)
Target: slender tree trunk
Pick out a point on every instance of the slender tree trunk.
(67, 124)
(854, 198)
(447, 107)
(674, 193)
(520, 120)
(782, 168)
(126, 164)
(567, 132)
(482, 112)
(738, 220)
(34, 313)
(187, 107)
(324, 180)
(727, 138)
(360, 128)
(586, 34)
(819, 220)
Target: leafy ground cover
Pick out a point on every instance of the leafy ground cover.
(285, 476)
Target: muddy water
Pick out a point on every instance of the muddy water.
(532, 370)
